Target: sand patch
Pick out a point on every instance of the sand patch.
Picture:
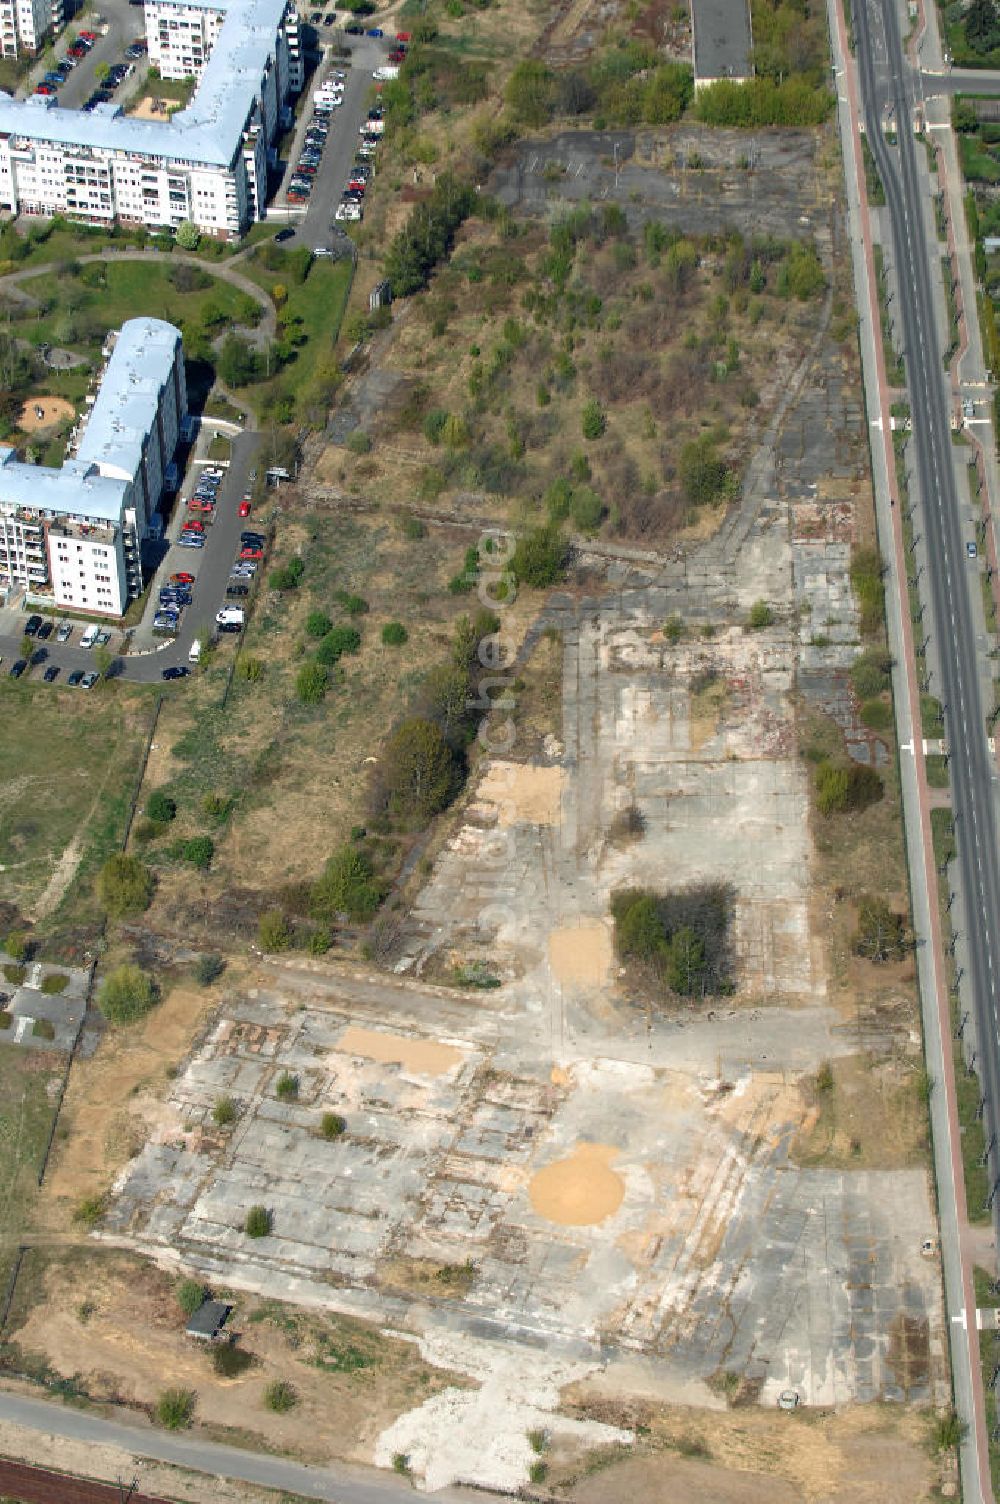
(581, 953)
(45, 412)
(523, 793)
(581, 1190)
(151, 108)
(424, 1057)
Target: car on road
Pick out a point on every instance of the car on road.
(165, 621)
(180, 671)
(75, 678)
(329, 18)
(201, 504)
(18, 667)
(182, 579)
(89, 680)
(45, 89)
(375, 31)
(286, 234)
(251, 553)
(191, 540)
(192, 525)
(45, 631)
(51, 673)
(972, 550)
(32, 625)
(64, 632)
(244, 508)
(252, 536)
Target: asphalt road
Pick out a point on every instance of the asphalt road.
(961, 81)
(336, 1482)
(886, 78)
(125, 24)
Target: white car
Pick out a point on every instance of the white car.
(230, 616)
(348, 211)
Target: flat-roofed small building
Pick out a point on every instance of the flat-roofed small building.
(723, 41)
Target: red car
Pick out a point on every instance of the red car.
(244, 509)
(198, 505)
(182, 579)
(251, 553)
(45, 89)
(193, 526)
(402, 36)
(88, 36)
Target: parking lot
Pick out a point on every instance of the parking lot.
(124, 25)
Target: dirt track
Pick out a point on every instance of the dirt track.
(33, 1485)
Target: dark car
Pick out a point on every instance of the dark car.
(75, 678)
(18, 668)
(237, 589)
(375, 31)
(329, 18)
(45, 631)
(286, 234)
(52, 672)
(32, 625)
(229, 626)
(180, 672)
(354, 30)
(252, 536)
(39, 656)
(89, 680)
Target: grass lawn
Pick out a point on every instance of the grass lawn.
(25, 1121)
(71, 760)
(316, 307)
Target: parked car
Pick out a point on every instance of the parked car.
(193, 526)
(329, 18)
(18, 667)
(53, 78)
(45, 89)
(191, 540)
(180, 671)
(182, 579)
(75, 678)
(251, 553)
(64, 632)
(252, 540)
(402, 36)
(38, 656)
(201, 504)
(51, 673)
(89, 680)
(237, 588)
(230, 614)
(244, 508)
(286, 234)
(164, 621)
(375, 31)
(45, 631)
(32, 625)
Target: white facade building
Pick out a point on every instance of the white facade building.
(208, 163)
(71, 536)
(24, 24)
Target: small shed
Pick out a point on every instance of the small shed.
(380, 295)
(207, 1322)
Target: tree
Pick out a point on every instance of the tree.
(840, 789)
(639, 933)
(347, 886)
(258, 1222)
(16, 946)
(881, 935)
(686, 962)
(311, 683)
(101, 71)
(124, 885)
(239, 363)
(199, 851)
(417, 770)
(273, 931)
(702, 473)
(188, 236)
(279, 295)
(394, 634)
(175, 1408)
(530, 93)
(126, 994)
(318, 624)
(540, 557)
(191, 1296)
(208, 969)
(338, 641)
(160, 807)
(593, 421)
(806, 278)
(982, 26)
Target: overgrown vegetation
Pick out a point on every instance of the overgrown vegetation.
(680, 938)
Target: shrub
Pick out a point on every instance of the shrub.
(199, 851)
(881, 934)
(208, 969)
(124, 885)
(191, 1295)
(258, 1222)
(673, 628)
(347, 886)
(332, 1125)
(273, 931)
(14, 974)
(224, 1112)
(251, 669)
(949, 1432)
(540, 557)
(175, 1408)
(876, 715)
(287, 1087)
(230, 1361)
(188, 235)
(311, 683)
(89, 1211)
(43, 1028)
(6, 1018)
(359, 442)
(870, 673)
(586, 509)
(354, 605)
(280, 1396)
(126, 994)
(216, 807)
(160, 807)
(417, 770)
(394, 634)
(761, 615)
(54, 983)
(593, 421)
(16, 946)
(318, 624)
(336, 643)
(840, 789)
(866, 577)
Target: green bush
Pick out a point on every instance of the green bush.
(55, 983)
(311, 683)
(208, 969)
(89, 1211)
(332, 1125)
(216, 807)
(347, 886)
(359, 442)
(866, 577)
(224, 1112)
(870, 673)
(318, 624)
(336, 643)
(593, 420)
(876, 715)
(258, 1222)
(191, 1295)
(841, 789)
(394, 634)
(199, 851)
(14, 974)
(175, 1409)
(43, 1028)
(540, 557)
(673, 628)
(126, 995)
(160, 807)
(287, 1087)
(417, 771)
(761, 615)
(124, 885)
(16, 946)
(280, 1396)
(230, 1361)
(273, 931)
(762, 102)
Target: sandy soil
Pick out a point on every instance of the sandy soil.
(152, 108)
(54, 410)
(580, 1190)
(582, 953)
(423, 1057)
(523, 793)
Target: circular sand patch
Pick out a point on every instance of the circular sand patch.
(45, 412)
(580, 1190)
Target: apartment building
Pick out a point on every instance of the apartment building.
(208, 163)
(71, 537)
(24, 24)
